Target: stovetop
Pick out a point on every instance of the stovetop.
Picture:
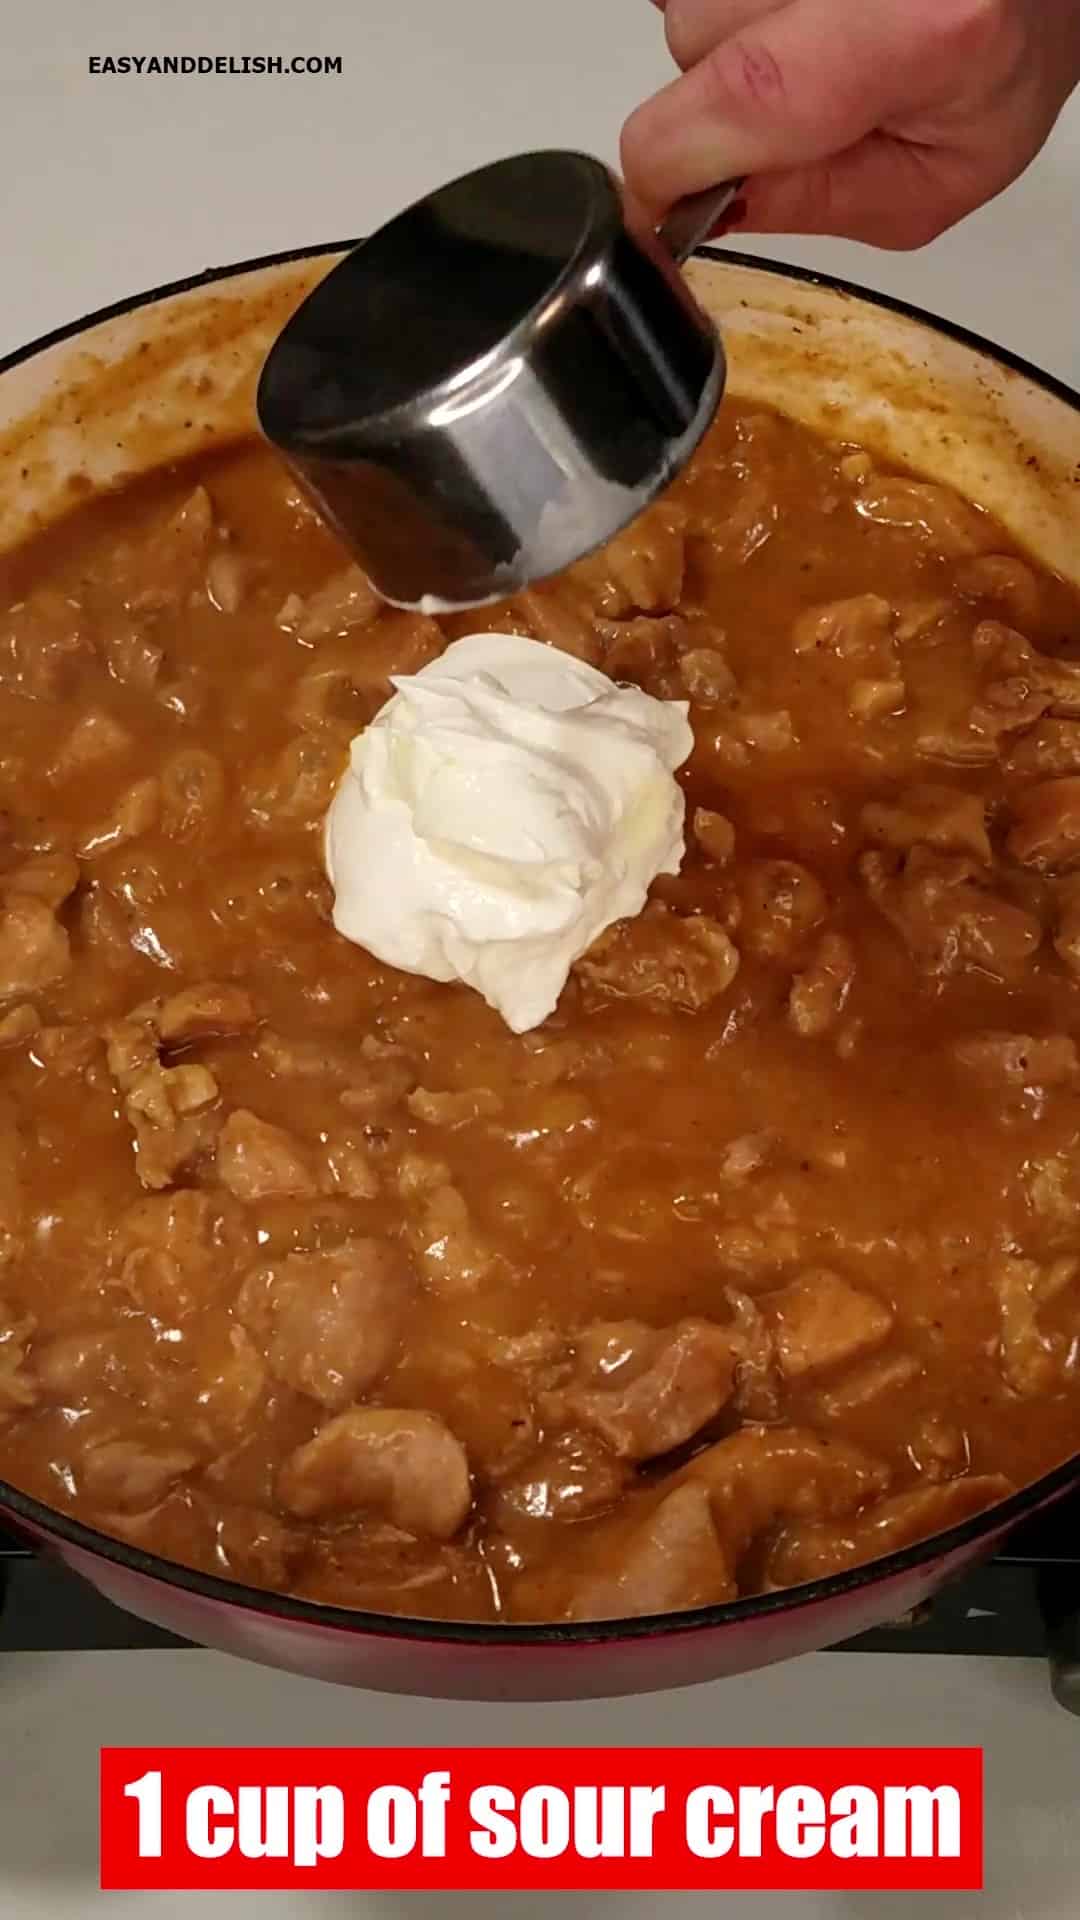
(1026, 1602)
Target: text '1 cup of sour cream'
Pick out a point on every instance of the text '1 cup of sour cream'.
(505, 806)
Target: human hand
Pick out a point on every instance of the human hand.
(878, 120)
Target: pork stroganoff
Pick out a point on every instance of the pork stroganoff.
(755, 1259)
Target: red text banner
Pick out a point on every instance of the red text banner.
(759, 1819)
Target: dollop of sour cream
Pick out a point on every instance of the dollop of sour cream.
(504, 807)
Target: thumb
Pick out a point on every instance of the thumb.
(800, 85)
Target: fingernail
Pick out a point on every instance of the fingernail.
(734, 217)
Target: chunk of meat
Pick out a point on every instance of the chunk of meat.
(858, 629)
(65, 1049)
(947, 918)
(192, 794)
(132, 1045)
(683, 963)
(821, 1321)
(217, 1401)
(323, 700)
(315, 1059)
(228, 578)
(18, 1024)
(931, 816)
(453, 1109)
(258, 1161)
(1045, 833)
(170, 562)
(350, 1164)
(755, 1248)
(715, 835)
(404, 1466)
(44, 640)
(819, 995)
(764, 729)
(420, 1175)
(887, 1374)
(384, 1075)
(330, 1324)
(132, 815)
(130, 1475)
(1051, 1187)
(297, 783)
(72, 1368)
(761, 1476)
(642, 650)
(757, 1393)
(644, 1390)
(170, 1109)
(877, 699)
(783, 902)
(181, 1250)
(1006, 582)
(667, 1560)
(1016, 687)
(35, 950)
(919, 618)
(572, 1476)
(202, 1012)
(132, 656)
(706, 676)
(1032, 1361)
(346, 689)
(743, 519)
(344, 602)
(95, 739)
(948, 523)
(751, 1153)
(813, 1552)
(1020, 684)
(939, 1449)
(1018, 1059)
(640, 571)
(157, 1284)
(454, 1257)
(1050, 749)
(49, 877)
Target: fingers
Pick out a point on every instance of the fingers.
(803, 82)
(882, 191)
(694, 27)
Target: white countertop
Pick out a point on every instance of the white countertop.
(115, 184)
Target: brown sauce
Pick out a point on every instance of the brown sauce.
(761, 1258)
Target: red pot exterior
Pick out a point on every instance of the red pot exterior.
(492, 1664)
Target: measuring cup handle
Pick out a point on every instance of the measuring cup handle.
(692, 220)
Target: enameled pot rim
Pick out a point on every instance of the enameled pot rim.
(210, 1587)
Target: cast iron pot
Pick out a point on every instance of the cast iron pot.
(174, 371)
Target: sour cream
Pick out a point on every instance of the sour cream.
(506, 805)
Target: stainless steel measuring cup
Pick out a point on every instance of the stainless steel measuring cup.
(497, 381)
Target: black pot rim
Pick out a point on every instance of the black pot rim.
(210, 1587)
